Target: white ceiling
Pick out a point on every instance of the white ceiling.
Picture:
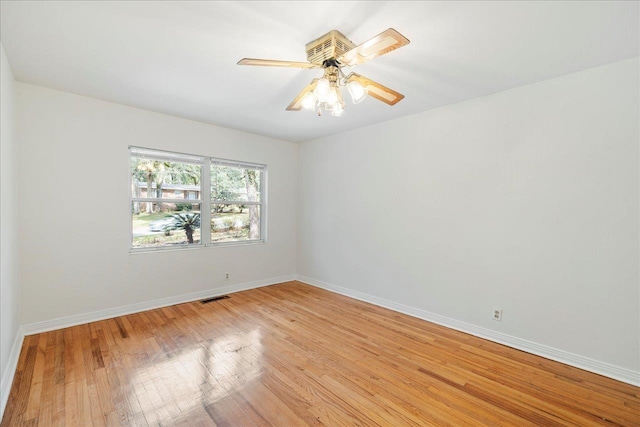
(179, 58)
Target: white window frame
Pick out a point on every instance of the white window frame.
(204, 200)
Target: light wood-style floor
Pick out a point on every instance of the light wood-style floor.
(295, 355)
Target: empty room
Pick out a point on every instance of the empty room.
(292, 213)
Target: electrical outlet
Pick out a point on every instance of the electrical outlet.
(226, 276)
(497, 314)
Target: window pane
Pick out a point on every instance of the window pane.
(234, 223)
(166, 180)
(165, 224)
(234, 183)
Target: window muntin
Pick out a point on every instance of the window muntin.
(194, 200)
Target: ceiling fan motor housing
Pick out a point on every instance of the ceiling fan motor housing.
(331, 45)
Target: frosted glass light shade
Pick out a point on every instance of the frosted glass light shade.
(357, 91)
(309, 102)
(322, 89)
(332, 98)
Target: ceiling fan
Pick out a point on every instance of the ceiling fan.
(332, 52)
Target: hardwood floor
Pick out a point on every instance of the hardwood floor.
(295, 355)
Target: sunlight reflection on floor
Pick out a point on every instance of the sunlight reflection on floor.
(191, 378)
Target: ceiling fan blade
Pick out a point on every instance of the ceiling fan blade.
(296, 104)
(376, 90)
(383, 43)
(275, 63)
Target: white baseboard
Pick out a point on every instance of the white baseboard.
(79, 319)
(10, 371)
(612, 371)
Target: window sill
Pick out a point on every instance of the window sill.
(194, 247)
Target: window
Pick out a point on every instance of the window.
(236, 201)
(181, 200)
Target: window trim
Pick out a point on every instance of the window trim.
(205, 201)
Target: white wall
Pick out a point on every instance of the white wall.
(9, 279)
(525, 200)
(74, 207)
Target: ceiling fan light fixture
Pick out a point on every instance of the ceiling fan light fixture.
(337, 110)
(332, 98)
(322, 90)
(309, 102)
(357, 91)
